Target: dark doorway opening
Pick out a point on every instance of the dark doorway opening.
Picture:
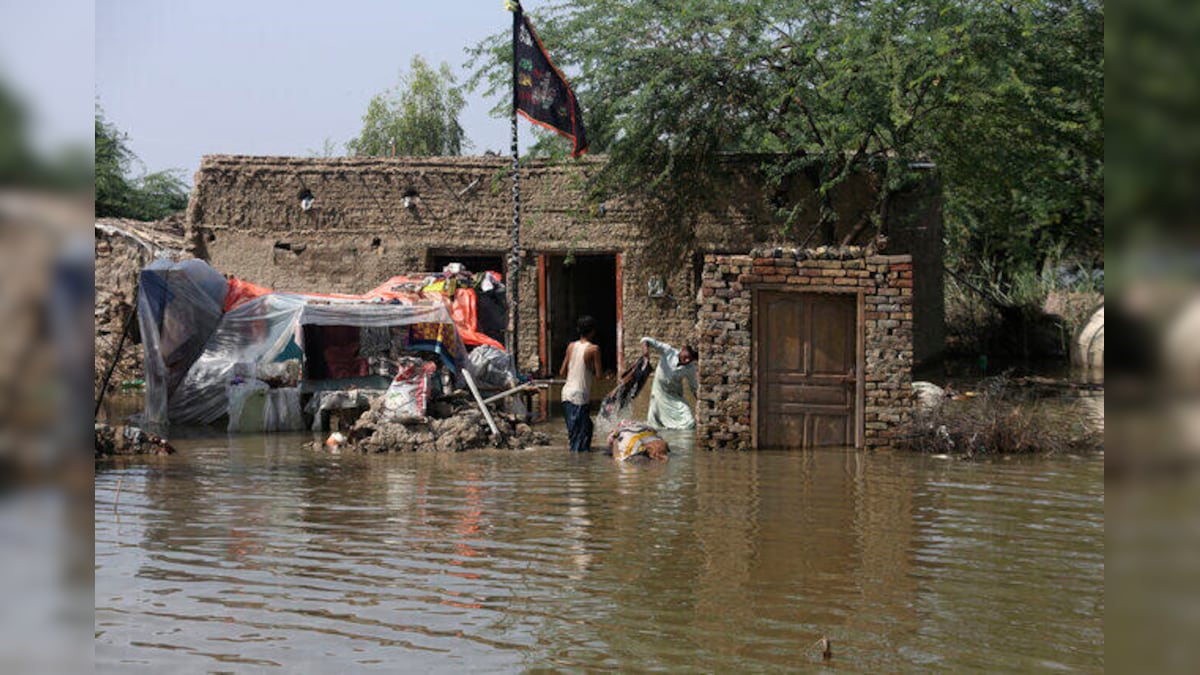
(474, 261)
(587, 285)
(332, 353)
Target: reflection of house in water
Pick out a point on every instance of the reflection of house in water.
(840, 565)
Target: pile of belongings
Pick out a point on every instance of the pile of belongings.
(218, 347)
(631, 438)
(479, 299)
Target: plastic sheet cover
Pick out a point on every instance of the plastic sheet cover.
(256, 332)
(178, 306)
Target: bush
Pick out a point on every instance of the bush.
(1001, 419)
(990, 312)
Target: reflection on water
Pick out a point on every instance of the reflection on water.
(252, 551)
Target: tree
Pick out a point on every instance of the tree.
(16, 157)
(118, 195)
(420, 115)
(1005, 98)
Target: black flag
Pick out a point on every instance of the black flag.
(540, 92)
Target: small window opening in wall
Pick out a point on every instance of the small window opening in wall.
(410, 198)
(306, 199)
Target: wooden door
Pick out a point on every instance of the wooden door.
(806, 363)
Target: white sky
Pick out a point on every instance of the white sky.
(185, 78)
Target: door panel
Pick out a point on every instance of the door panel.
(806, 369)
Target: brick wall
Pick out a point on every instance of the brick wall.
(724, 407)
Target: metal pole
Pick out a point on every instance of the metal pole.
(514, 266)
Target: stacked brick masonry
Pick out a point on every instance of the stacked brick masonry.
(724, 415)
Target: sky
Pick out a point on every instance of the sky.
(186, 78)
(46, 61)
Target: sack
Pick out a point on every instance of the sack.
(407, 397)
(491, 368)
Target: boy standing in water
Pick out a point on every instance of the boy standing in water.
(580, 366)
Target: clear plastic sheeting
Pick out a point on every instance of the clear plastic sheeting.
(256, 333)
(282, 411)
(179, 307)
(247, 405)
(491, 367)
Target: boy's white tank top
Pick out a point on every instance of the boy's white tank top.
(578, 389)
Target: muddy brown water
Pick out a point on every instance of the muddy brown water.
(252, 551)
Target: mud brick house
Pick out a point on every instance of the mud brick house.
(344, 224)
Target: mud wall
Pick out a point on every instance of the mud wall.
(247, 216)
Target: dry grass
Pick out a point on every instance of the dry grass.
(1002, 419)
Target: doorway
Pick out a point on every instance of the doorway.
(474, 261)
(569, 287)
(807, 388)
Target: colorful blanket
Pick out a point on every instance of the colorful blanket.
(631, 438)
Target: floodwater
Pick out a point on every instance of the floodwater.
(253, 551)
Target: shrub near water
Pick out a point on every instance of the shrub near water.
(1026, 313)
(1000, 419)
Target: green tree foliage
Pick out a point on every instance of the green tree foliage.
(118, 194)
(16, 158)
(420, 115)
(1004, 97)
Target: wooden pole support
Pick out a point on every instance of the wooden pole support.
(487, 415)
(510, 392)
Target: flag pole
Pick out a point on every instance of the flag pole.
(515, 256)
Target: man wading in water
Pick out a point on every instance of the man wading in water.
(580, 366)
(668, 409)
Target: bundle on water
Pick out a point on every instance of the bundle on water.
(631, 439)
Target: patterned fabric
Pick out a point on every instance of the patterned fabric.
(438, 338)
(627, 389)
(540, 92)
(636, 438)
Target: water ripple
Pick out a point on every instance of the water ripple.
(256, 552)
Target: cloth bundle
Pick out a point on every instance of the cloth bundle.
(627, 389)
(631, 438)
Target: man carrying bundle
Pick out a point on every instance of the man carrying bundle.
(668, 409)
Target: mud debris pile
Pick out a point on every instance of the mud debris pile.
(128, 440)
(453, 424)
